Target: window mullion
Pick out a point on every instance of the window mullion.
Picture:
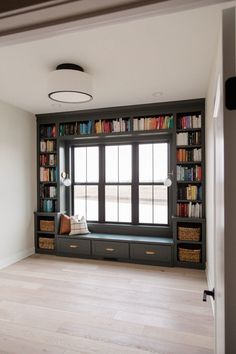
(118, 187)
(72, 194)
(135, 184)
(153, 183)
(101, 186)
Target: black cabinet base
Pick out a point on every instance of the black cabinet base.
(123, 248)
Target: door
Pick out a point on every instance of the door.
(219, 223)
(225, 196)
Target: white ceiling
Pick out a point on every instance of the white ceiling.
(129, 61)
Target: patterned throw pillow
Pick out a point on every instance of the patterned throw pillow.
(78, 227)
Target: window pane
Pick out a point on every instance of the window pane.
(145, 163)
(160, 162)
(80, 164)
(160, 205)
(79, 201)
(92, 164)
(145, 204)
(111, 205)
(125, 203)
(125, 163)
(86, 202)
(111, 160)
(92, 203)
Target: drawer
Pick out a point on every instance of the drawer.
(73, 246)
(151, 253)
(107, 249)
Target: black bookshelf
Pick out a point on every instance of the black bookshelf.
(46, 228)
(189, 222)
(56, 131)
(47, 168)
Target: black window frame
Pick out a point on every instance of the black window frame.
(116, 184)
(84, 183)
(152, 183)
(117, 227)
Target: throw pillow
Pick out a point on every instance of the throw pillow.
(78, 227)
(64, 224)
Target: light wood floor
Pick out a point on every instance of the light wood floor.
(66, 306)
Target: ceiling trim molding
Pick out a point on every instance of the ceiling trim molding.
(58, 16)
(16, 8)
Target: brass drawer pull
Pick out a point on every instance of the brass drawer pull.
(150, 252)
(74, 246)
(110, 249)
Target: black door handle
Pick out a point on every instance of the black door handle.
(208, 293)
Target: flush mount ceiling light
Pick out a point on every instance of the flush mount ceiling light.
(70, 84)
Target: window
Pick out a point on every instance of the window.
(118, 180)
(86, 180)
(121, 183)
(153, 197)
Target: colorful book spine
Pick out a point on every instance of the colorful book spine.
(189, 122)
(189, 210)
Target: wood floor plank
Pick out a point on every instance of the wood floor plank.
(178, 336)
(51, 341)
(62, 305)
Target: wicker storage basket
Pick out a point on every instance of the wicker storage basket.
(46, 243)
(46, 225)
(189, 255)
(189, 233)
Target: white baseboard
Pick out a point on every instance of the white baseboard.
(16, 257)
(210, 287)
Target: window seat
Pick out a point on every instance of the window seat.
(138, 249)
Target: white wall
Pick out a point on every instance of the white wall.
(17, 183)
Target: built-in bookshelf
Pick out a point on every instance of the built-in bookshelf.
(180, 123)
(189, 220)
(46, 227)
(48, 168)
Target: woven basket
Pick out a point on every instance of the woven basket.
(46, 243)
(47, 225)
(189, 255)
(189, 233)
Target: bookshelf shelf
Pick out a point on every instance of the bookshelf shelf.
(48, 198)
(188, 220)
(190, 265)
(189, 162)
(48, 166)
(46, 233)
(45, 251)
(189, 182)
(189, 146)
(189, 242)
(45, 138)
(93, 135)
(116, 134)
(189, 200)
(153, 131)
(188, 130)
